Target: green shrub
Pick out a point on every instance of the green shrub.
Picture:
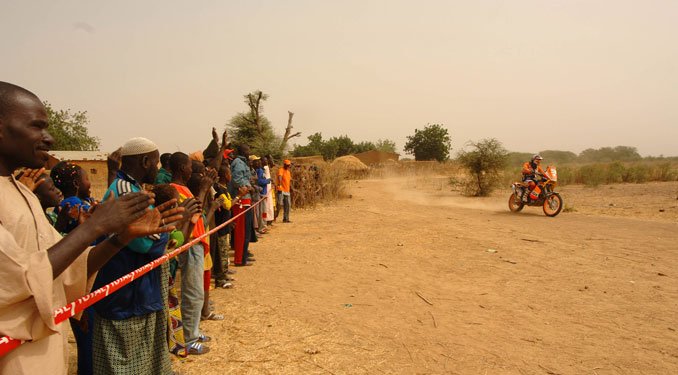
(567, 175)
(592, 175)
(484, 162)
(638, 173)
(615, 173)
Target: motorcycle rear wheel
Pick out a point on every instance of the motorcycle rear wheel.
(553, 204)
(515, 204)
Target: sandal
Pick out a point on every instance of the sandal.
(212, 316)
(224, 284)
(197, 348)
(204, 338)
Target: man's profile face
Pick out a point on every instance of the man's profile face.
(245, 151)
(152, 167)
(225, 173)
(24, 140)
(187, 170)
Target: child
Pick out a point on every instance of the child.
(176, 342)
(74, 184)
(194, 184)
(49, 197)
(219, 250)
(262, 182)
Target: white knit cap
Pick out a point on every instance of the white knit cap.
(138, 146)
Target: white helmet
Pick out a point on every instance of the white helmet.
(536, 157)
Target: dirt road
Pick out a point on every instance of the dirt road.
(399, 280)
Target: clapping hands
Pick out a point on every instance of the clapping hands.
(192, 210)
(157, 220)
(31, 178)
(131, 217)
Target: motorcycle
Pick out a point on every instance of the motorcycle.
(542, 195)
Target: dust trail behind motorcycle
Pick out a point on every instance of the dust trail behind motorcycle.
(436, 191)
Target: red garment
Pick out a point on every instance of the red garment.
(238, 234)
(207, 279)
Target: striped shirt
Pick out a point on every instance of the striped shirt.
(125, 184)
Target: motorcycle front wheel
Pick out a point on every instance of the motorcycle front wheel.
(515, 204)
(553, 204)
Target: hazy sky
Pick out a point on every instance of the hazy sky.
(535, 74)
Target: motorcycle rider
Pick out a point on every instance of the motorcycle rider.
(532, 174)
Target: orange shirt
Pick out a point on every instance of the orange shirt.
(284, 180)
(199, 227)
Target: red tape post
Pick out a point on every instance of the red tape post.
(7, 344)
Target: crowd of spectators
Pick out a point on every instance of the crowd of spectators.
(58, 242)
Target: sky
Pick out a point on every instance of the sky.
(535, 74)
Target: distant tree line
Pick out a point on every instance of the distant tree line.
(590, 155)
(339, 146)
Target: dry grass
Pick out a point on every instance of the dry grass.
(314, 184)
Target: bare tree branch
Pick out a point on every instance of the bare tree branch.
(255, 105)
(288, 132)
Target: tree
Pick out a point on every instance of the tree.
(69, 130)
(337, 146)
(314, 146)
(254, 129)
(385, 145)
(288, 133)
(484, 162)
(432, 143)
(363, 147)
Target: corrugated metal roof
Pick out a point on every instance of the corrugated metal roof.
(80, 155)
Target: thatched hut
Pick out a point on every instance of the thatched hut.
(375, 157)
(352, 166)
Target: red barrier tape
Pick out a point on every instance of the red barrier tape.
(7, 344)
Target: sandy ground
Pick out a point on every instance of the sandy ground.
(408, 277)
(417, 280)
